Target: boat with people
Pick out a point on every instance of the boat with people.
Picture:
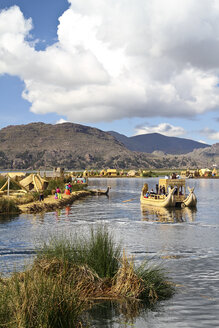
(170, 192)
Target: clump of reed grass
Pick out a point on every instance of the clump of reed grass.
(126, 282)
(146, 282)
(34, 300)
(68, 275)
(156, 286)
(78, 186)
(54, 183)
(99, 251)
(8, 206)
(24, 198)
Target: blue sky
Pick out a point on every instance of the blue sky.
(132, 67)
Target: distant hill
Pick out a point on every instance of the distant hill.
(151, 142)
(39, 145)
(207, 157)
(74, 146)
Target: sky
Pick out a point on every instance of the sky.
(128, 66)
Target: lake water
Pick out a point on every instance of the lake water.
(185, 242)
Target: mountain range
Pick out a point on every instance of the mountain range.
(75, 146)
(148, 143)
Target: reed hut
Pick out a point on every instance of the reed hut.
(16, 175)
(204, 172)
(103, 173)
(214, 172)
(131, 173)
(85, 174)
(112, 172)
(34, 182)
(15, 178)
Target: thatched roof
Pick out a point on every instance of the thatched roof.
(34, 182)
(14, 175)
(132, 173)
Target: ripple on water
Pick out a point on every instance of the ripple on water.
(184, 241)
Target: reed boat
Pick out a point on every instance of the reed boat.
(100, 191)
(169, 193)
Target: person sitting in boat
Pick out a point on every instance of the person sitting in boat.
(152, 192)
(161, 191)
(147, 194)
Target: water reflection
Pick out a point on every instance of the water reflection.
(37, 218)
(7, 218)
(121, 313)
(58, 213)
(168, 215)
(67, 210)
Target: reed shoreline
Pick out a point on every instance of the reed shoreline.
(51, 204)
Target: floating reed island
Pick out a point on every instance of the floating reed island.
(51, 204)
(69, 276)
(34, 194)
(31, 204)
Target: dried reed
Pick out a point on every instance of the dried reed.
(67, 277)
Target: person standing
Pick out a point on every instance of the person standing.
(58, 191)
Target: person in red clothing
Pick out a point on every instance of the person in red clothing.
(58, 191)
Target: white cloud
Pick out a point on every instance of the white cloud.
(210, 134)
(117, 59)
(202, 141)
(61, 120)
(162, 128)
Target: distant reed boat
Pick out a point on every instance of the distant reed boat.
(100, 191)
(169, 193)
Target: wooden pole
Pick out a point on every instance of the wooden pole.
(8, 186)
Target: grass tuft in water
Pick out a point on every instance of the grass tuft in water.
(68, 275)
(98, 251)
(146, 282)
(156, 286)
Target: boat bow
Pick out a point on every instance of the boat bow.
(191, 200)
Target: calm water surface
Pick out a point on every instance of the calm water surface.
(185, 242)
